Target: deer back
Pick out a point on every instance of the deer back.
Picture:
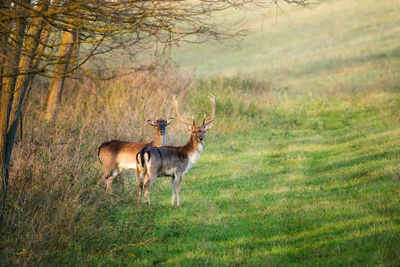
(166, 160)
(120, 152)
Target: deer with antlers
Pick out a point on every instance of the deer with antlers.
(172, 161)
(117, 155)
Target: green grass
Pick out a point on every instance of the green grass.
(301, 167)
(310, 187)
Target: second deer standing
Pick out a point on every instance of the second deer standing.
(117, 155)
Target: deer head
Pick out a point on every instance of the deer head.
(160, 124)
(198, 131)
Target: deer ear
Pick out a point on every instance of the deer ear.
(208, 126)
(191, 128)
(169, 120)
(152, 122)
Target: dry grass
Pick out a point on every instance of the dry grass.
(54, 183)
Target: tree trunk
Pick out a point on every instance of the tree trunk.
(12, 52)
(4, 7)
(60, 71)
(31, 50)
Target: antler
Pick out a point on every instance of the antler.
(210, 119)
(177, 113)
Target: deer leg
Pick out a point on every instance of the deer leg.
(110, 179)
(173, 191)
(140, 194)
(178, 179)
(104, 175)
(147, 193)
(147, 185)
(140, 178)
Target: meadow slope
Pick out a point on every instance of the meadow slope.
(301, 167)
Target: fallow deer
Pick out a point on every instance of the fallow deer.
(117, 155)
(172, 161)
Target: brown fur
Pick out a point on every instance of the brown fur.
(117, 155)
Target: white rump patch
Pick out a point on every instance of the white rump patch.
(147, 161)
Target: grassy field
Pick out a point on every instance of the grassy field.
(301, 167)
(313, 185)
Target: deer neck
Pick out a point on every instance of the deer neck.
(159, 140)
(193, 149)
